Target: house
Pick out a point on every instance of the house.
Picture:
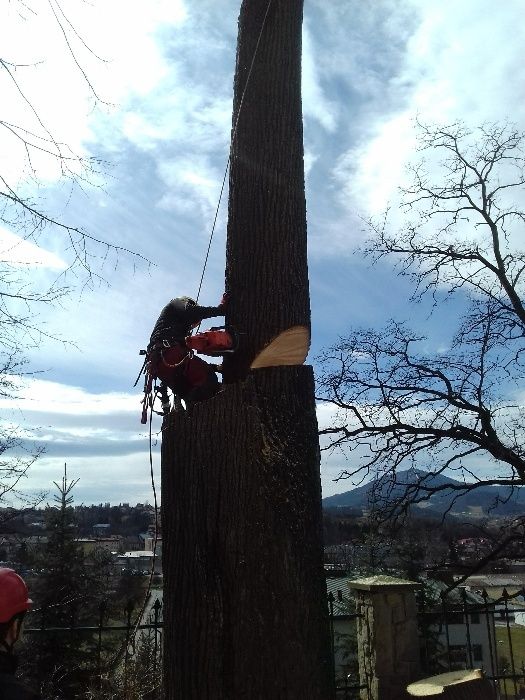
(343, 630)
(519, 617)
(494, 584)
(461, 638)
(149, 543)
(12, 546)
(461, 632)
(102, 529)
(138, 562)
(90, 544)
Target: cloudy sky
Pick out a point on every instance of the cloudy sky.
(156, 109)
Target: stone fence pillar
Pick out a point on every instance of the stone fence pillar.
(387, 636)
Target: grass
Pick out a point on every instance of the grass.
(517, 635)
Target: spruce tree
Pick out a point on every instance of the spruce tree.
(66, 594)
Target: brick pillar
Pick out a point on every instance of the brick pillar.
(387, 638)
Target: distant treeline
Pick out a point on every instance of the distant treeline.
(123, 519)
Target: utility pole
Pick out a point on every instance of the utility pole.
(245, 612)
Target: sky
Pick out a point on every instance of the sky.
(146, 89)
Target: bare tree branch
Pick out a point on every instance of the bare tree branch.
(23, 212)
(397, 407)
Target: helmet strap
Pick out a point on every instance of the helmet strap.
(13, 633)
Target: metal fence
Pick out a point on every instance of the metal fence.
(111, 645)
(458, 629)
(462, 629)
(106, 660)
(343, 640)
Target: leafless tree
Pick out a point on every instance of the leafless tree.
(398, 405)
(22, 195)
(16, 454)
(24, 210)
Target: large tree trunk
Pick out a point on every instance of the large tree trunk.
(245, 611)
(245, 600)
(266, 256)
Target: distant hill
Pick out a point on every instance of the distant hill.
(495, 501)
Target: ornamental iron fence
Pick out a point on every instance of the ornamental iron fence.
(458, 629)
(465, 629)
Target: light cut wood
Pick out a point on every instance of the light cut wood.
(289, 348)
(454, 685)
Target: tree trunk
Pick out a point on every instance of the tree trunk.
(266, 256)
(245, 612)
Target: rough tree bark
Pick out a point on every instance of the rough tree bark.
(245, 613)
(266, 256)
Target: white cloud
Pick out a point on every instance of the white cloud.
(23, 252)
(309, 161)
(98, 434)
(371, 172)
(192, 185)
(452, 76)
(315, 103)
(55, 398)
(444, 76)
(101, 479)
(51, 99)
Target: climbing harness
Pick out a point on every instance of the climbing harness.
(171, 355)
(155, 357)
(173, 365)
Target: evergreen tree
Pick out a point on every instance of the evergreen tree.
(63, 582)
(67, 595)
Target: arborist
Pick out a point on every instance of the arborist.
(14, 603)
(170, 354)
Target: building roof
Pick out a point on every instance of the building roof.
(497, 580)
(98, 540)
(455, 596)
(343, 603)
(140, 553)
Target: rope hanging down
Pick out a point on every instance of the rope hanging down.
(234, 133)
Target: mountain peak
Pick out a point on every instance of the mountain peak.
(481, 501)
